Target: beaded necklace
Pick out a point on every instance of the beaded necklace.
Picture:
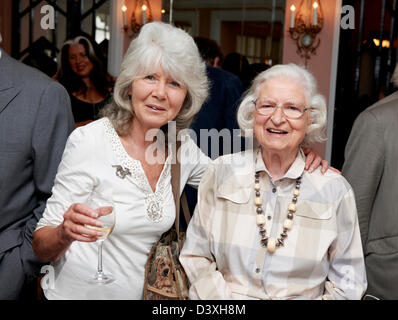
(272, 243)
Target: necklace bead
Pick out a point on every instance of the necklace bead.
(261, 220)
(272, 243)
(287, 224)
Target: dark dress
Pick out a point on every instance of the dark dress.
(83, 111)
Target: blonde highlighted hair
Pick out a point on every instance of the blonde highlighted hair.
(160, 44)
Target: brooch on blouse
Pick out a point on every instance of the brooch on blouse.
(121, 172)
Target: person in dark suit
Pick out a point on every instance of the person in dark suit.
(35, 122)
(370, 166)
(218, 112)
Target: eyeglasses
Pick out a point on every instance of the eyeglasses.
(290, 110)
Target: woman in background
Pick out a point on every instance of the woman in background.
(81, 72)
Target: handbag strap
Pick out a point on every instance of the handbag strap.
(175, 186)
(185, 208)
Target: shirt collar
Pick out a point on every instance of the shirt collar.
(295, 170)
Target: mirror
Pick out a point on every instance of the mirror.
(251, 28)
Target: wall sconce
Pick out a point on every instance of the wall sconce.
(142, 9)
(305, 24)
(384, 43)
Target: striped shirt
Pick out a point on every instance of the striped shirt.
(322, 256)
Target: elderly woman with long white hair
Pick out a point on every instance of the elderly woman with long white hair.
(162, 79)
(264, 228)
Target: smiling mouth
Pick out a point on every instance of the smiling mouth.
(156, 108)
(276, 131)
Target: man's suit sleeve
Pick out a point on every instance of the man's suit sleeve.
(53, 124)
(363, 165)
(233, 92)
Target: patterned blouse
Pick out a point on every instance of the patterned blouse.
(322, 255)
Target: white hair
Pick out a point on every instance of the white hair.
(160, 44)
(316, 102)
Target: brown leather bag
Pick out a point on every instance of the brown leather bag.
(165, 278)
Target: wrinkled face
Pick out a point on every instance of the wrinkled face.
(79, 61)
(156, 99)
(276, 132)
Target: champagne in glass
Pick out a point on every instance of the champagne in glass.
(106, 214)
(105, 230)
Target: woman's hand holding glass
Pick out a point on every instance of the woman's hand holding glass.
(77, 221)
(90, 223)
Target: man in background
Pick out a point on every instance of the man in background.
(219, 110)
(35, 122)
(218, 113)
(371, 167)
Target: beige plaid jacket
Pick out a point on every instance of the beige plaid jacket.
(322, 257)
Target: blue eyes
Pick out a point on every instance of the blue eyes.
(175, 84)
(170, 82)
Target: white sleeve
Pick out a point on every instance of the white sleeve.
(193, 163)
(75, 178)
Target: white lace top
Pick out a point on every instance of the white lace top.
(95, 161)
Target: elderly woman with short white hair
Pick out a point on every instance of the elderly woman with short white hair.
(264, 228)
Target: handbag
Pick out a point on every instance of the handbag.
(165, 278)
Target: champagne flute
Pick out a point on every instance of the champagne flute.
(106, 214)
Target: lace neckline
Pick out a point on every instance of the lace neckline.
(154, 200)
